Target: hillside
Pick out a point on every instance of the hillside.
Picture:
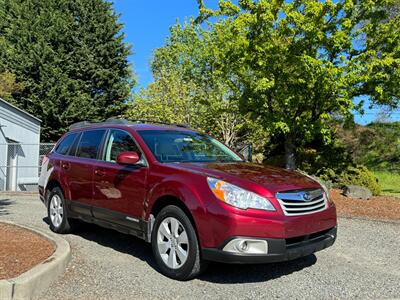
(376, 145)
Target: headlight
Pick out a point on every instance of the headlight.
(328, 196)
(236, 196)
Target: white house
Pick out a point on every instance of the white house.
(19, 148)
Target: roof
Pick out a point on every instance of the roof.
(136, 125)
(11, 141)
(20, 110)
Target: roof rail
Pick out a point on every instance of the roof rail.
(83, 124)
(80, 125)
(158, 122)
(116, 121)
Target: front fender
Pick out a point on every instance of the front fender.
(186, 190)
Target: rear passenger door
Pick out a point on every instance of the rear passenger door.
(119, 190)
(79, 170)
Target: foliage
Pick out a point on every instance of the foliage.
(298, 64)
(389, 182)
(69, 57)
(8, 85)
(353, 175)
(167, 99)
(376, 145)
(394, 9)
(312, 155)
(187, 87)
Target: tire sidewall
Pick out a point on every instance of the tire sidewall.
(185, 270)
(64, 224)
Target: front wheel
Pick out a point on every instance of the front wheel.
(175, 246)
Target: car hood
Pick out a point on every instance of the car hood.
(272, 178)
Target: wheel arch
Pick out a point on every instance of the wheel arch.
(51, 185)
(167, 200)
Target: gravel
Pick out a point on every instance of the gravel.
(363, 263)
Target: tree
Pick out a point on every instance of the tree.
(376, 145)
(69, 57)
(167, 100)
(187, 88)
(304, 62)
(8, 85)
(393, 9)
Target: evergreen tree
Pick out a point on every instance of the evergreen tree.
(70, 58)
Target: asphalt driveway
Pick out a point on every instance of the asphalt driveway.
(363, 263)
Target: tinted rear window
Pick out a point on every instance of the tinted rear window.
(89, 144)
(64, 146)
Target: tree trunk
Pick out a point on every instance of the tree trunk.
(290, 159)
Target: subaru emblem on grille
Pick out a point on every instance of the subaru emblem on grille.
(307, 196)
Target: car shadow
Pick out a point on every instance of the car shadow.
(4, 204)
(123, 243)
(215, 273)
(252, 273)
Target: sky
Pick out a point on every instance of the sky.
(146, 26)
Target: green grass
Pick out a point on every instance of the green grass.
(390, 183)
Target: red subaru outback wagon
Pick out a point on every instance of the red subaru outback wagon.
(187, 194)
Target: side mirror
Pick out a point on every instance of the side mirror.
(128, 158)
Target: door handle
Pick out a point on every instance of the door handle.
(99, 172)
(65, 165)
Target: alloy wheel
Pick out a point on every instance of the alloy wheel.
(56, 210)
(172, 243)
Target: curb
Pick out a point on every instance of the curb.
(35, 281)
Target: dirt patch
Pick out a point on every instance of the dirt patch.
(380, 207)
(20, 250)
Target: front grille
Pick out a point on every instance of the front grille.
(302, 202)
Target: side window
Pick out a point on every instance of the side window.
(74, 146)
(64, 146)
(89, 144)
(119, 141)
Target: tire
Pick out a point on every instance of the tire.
(57, 212)
(165, 246)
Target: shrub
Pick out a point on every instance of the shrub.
(331, 162)
(355, 175)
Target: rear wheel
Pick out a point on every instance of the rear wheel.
(175, 245)
(57, 212)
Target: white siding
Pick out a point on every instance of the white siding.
(3, 159)
(23, 128)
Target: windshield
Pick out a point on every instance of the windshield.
(186, 146)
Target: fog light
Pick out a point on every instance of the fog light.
(248, 246)
(242, 246)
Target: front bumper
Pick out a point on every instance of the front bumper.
(278, 249)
